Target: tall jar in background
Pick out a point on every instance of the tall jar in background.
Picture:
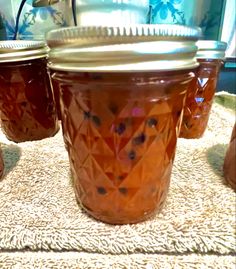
(121, 100)
(201, 92)
(27, 110)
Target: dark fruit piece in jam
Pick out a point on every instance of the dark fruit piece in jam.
(123, 190)
(178, 113)
(87, 114)
(101, 190)
(121, 177)
(152, 122)
(96, 120)
(120, 128)
(132, 155)
(139, 139)
(113, 108)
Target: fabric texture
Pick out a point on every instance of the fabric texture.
(73, 260)
(42, 226)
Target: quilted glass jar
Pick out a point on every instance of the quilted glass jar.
(27, 109)
(201, 92)
(121, 99)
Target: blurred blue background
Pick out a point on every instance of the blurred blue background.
(216, 19)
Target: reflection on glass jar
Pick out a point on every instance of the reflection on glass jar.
(121, 116)
(26, 103)
(56, 94)
(202, 89)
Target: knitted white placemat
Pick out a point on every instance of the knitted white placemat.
(38, 210)
(73, 260)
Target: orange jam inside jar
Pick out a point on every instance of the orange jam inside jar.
(121, 111)
(27, 109)
(201, 91)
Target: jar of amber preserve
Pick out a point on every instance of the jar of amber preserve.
(202, 89)
(27, 109)
(122, 91)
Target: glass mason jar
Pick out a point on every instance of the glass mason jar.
(27, 109)
(202, 89)
(110, 12)
(121, 100)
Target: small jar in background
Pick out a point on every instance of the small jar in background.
(201, 91)
(27, 109)
(121, 100)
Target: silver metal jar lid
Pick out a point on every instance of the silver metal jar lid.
(21, 50)
(211, 49)
(123, 48)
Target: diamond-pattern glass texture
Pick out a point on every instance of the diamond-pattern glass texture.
(27, 109)
(120, 131)
(199, 99)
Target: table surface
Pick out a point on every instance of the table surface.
(41, 225)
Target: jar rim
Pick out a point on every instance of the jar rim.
(107, 35)
(211, 44)
(211, 49)
(133, 47)
(21, 50)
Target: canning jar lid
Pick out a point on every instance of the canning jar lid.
(211, 49)
(123, 48)
(21, 50)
